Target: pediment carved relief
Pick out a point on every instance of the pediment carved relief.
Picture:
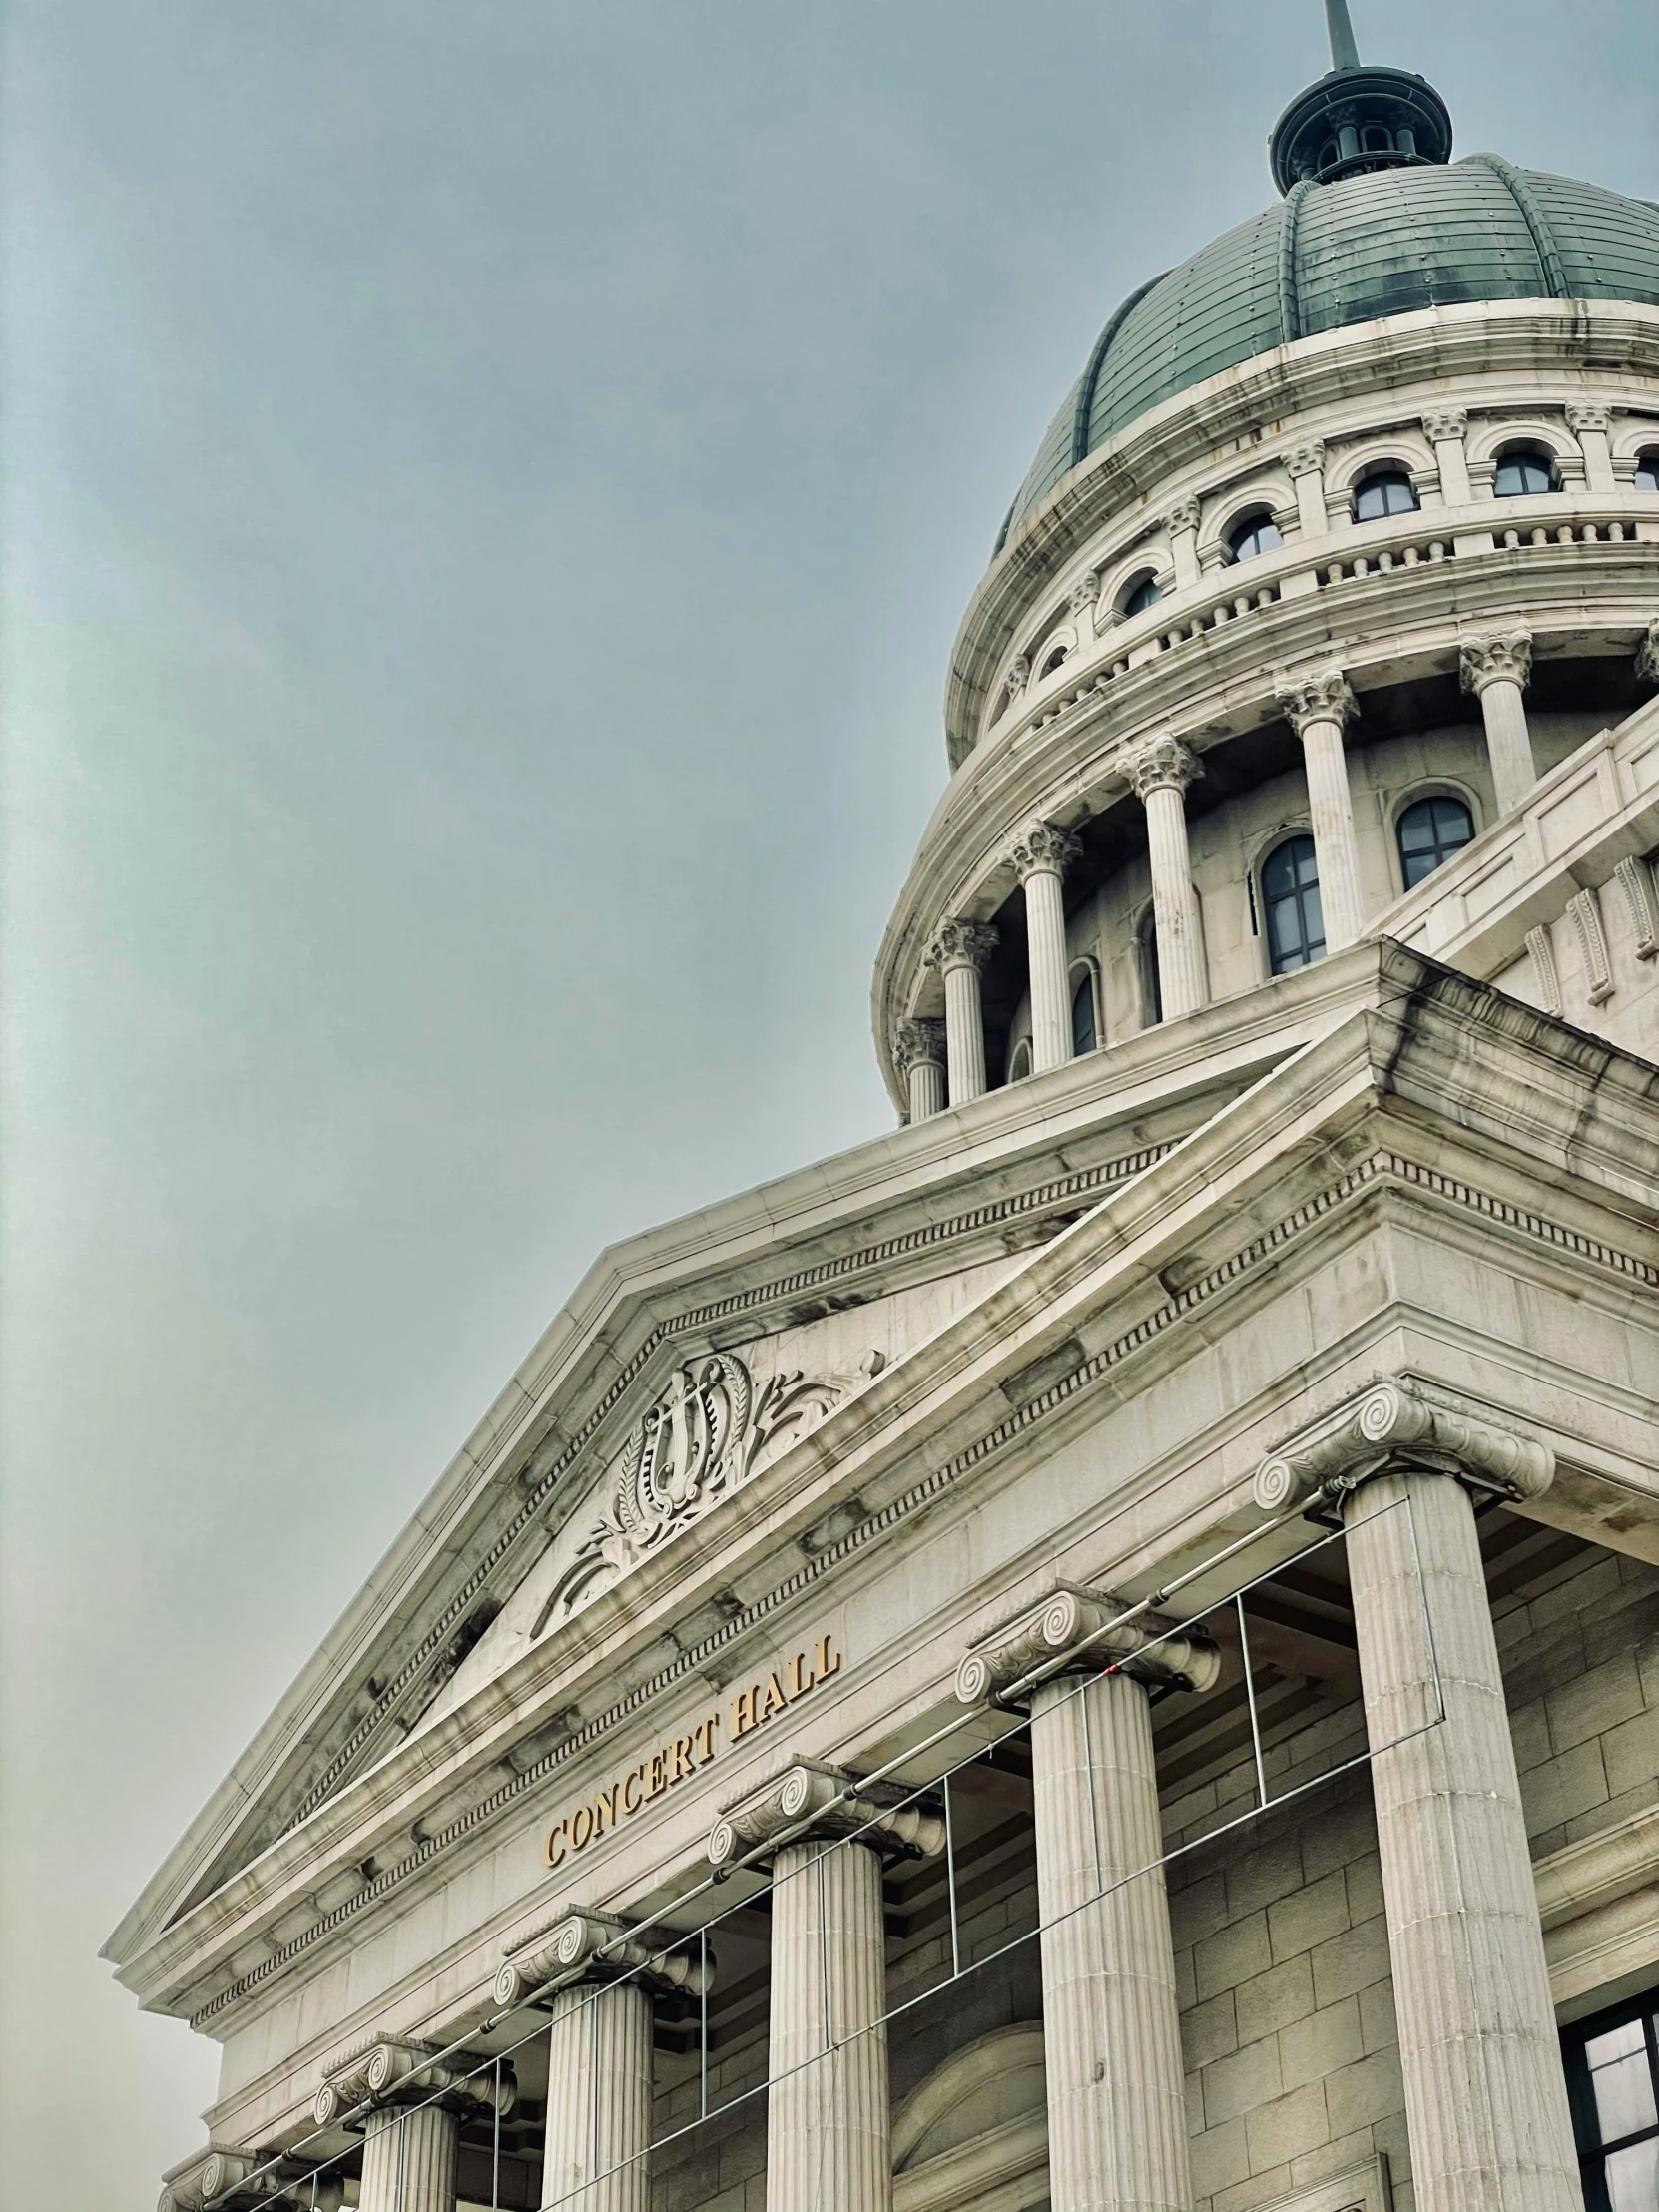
(701, 1440)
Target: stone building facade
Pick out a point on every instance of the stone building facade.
(1100, 1650)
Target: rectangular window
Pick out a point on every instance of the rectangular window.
(1612, 2064)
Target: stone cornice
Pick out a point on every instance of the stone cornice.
(1392, 1425)
(1086, 1630)
(1569, 342)
(865, 1448)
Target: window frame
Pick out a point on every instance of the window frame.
(1147, 973)
(1384, 472)
(1243, 525)
(1287, 836)
(1647, 459)
(1525, 449)
(1586, 2127)
(1081, 976)
(1144, 579)
(1415, 797)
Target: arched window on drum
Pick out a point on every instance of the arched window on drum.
(1291, 903)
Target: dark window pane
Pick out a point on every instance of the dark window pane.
(1082, 1016)
(1259, 536)
(1290, 892)
(1521, 473)
(1152, 990)
(1430, 831)
(1622, 2081)
(1634, 2177)
(1145, 594)
(1647, 472)
(1388, 494)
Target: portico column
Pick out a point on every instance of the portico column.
(828, 2137)
(918, 1049)
(959, 952)
(411, 2126)
(604, 1984)
(1040, 857)
(1496, 668)
(1485, 2100)
(1160, 773)
(1117, 2126)
(1316, 705)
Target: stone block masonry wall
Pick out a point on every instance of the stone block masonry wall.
(1581, 1673)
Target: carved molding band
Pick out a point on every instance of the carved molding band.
(1044, 846)
(918, 1043)
(1316, 695)
(385, 2071)
(962, 944)
(1388, 1427)
(591, 1946)
(1069, 1616)
(1500, 657)
(811, 1802)
(696, 1445)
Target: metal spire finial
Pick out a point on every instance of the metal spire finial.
(1343, 53)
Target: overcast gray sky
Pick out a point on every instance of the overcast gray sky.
(492, 486)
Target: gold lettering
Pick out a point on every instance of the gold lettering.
(555, 1849)
(774, 1701)
(742, 1712)
(631, 1805)
(827, 1666)
(580, 1835)
(604, 1809)
(682, 1759)
(703, 1738)
(659, 1774)
(798, 1667)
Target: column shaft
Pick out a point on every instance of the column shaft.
(829, 2138)
(1508, 742)
(409, 2160)
(1485, 2100)
(1181, 976)
(965, 1033)
(1046, 925)
(599, 2100)
(1117, 2126)
(927, 1089)
(1335, 845)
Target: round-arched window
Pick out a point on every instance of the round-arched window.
(1291, 897)
(1055, 659)
(1387, 491)
(1019, 1064)
(1428, 832)
(1524, 470)
(1647, 470)
(1146, 951)
(1257, 533)
(1083, 1034)
(1143, 593)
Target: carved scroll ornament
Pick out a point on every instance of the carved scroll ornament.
(698, 1444)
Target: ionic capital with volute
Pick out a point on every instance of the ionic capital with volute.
(1087, 1631)
(1044, 846)
(1584, 414)
(1184, 514)
(386, 2070)
(1307, 458)
(1393, 1426)
(233, 2180)
(1161, 763)
(1498, 657)
(1315, 695)
(1443, 424)
(591, 1946)
(959, 942)
(918, 1043)
(807, 1802)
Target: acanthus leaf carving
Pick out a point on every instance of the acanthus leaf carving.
(697, 1443)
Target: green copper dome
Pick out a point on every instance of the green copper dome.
(1380, 242)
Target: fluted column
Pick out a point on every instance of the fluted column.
(409, 2100)
(1117, 2126)
(1497, 669)
(1160, 773)
(1316, 705)
(1040, 857)
(959, 952)
(828, 2137)
(604, 1982)
(920, 1050)
(1446, 429)
(1485, 2100)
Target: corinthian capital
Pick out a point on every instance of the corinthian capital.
(918, 1044)
(1043, 845)
(962, 944)
(1647, 654)
(1161, 763)
(590, 1947)
(807, 1800)
(1499, 657)
(1184, 515)
(1315, 695)
(1390, 1426)
(1444, 424)
(1084, 594)
(1304, 459)
(386, 2071)
(1148, 1647)
(1584, 414)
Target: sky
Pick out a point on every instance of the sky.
(491, 489)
